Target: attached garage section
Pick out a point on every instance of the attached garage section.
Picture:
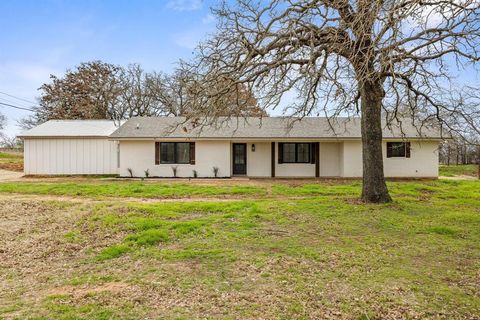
(69, 147)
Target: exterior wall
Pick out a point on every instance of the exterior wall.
(140, 156)
(330, 159)
(70, 156)
(259, 163)
(352, 159)
(300, 170)
(341, 149)
(337, 159)
(423, 161)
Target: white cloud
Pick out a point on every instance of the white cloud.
(184, 5)
(209, 18)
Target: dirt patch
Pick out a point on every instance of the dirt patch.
(354, 201)
(8, 175)
(81, 291)
(460, 177)
(33, 247)
(86, 199)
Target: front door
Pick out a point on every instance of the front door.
(239, 158)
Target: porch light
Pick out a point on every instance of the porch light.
(253, 147)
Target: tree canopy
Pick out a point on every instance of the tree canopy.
(99, 90)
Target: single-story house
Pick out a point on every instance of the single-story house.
(251, 147)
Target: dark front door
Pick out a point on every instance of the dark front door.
(239, 158)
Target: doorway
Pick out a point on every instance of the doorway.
(239, 158)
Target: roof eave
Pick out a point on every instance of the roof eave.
(265, 138)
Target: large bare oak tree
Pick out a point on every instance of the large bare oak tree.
(380, 59)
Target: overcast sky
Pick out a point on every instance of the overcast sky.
(43, 37)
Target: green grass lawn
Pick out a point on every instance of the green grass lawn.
(457, 170)
(104, 190)
(320, 255)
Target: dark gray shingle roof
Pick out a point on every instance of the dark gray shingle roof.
(267, 127)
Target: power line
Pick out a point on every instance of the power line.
(17, 103)
(16, 107)
(10, 95)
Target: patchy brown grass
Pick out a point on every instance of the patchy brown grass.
(11, 161)
(11, 166)
(318, 255)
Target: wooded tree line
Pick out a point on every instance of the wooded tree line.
(455, 152)
(100, 90)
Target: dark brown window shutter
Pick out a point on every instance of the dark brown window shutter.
(157, 152)
(280, 152)
(407, 149)
(389, 149)
(312, 153)
(273, 159)
(192, 152)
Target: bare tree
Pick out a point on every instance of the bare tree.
(172, 92)
(3, 121)
(140, 94)
(344, 57)
(459, 150)
(10, 142)
(99, 90)
(235, 99)
(182, 94)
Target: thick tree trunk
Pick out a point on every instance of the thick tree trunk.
(374, 187)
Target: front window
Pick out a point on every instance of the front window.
(303, 152)
(175, 152)
(295, 152)
(289, 152)
(398, 150)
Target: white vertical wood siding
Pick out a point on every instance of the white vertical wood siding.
(50, 156)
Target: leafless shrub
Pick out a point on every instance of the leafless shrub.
(174, 171)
